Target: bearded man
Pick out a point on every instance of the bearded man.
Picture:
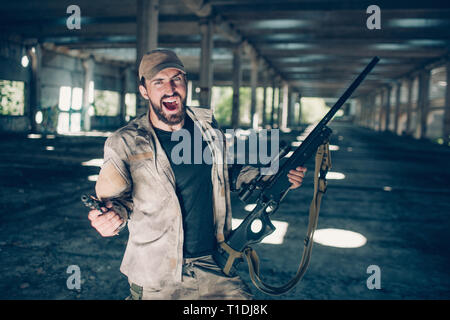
(177, 211)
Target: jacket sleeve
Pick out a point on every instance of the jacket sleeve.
(114, 180)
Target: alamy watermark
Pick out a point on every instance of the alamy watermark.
(374, 20)
(74, 280)
(74, 20)
(240, 147)
(374, 280)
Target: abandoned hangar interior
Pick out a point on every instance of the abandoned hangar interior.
(68, 71)
(299, 48)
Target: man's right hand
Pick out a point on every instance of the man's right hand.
(105, 223)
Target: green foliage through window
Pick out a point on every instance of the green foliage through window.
(222, 102)
(106, 103)
(12, 97)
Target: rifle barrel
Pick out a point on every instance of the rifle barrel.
(279, 184)
(348, 92)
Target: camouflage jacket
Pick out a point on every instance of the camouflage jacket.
(136, 175)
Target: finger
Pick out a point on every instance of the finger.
(109, 204)
(294, 184)
(100, 220)
(111, 230)
(297, 173)
(94, 214)
(299, 169)
(117, 225)
(296, 177)
(107, 233)
(106, 220)
(107, 229)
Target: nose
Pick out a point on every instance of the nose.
(169, 88)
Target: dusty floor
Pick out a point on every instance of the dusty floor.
(44, 228)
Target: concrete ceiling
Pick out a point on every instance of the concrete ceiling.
(317, 46)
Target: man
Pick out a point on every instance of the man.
(177, 211)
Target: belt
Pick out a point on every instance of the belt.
(191, 260)
(136, 290)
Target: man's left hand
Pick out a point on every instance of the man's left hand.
(296, 177)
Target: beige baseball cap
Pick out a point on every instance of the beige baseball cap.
(156, 60)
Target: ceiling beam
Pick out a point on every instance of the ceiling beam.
(337, 5)
(358, 52)
(203, 8)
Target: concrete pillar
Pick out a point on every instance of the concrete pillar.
(264, 107)
(447, 107)
(206, 62)
(300, 109)
(373, 115)
(279, 106)
(369, 108)
(253, 84)
(409, 106)
(237, 80)
(88, 66)
(364, 108)
(35, 55)
(291, 109)
(146, 39)
(380, 121)
(359, 115)
(189, 93)
(397, 107)
(123, 92)
(424, 91)
(147, 27)
(372, 109)
(285, 106)
(388, 109)
(272, 110)
(359, 112)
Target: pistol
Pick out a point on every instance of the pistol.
(93, 203)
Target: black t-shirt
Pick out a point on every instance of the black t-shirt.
(193, 186)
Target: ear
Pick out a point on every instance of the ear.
(143, 92)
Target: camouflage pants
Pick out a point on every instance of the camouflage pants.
(202, 280)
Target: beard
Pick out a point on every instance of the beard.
(172, 118)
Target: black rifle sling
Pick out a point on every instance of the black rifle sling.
(322, 165)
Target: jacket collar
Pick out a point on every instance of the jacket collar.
(201, 114)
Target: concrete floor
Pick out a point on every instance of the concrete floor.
(44, 227)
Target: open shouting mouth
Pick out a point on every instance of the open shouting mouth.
(171, 103)
(170, 109)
